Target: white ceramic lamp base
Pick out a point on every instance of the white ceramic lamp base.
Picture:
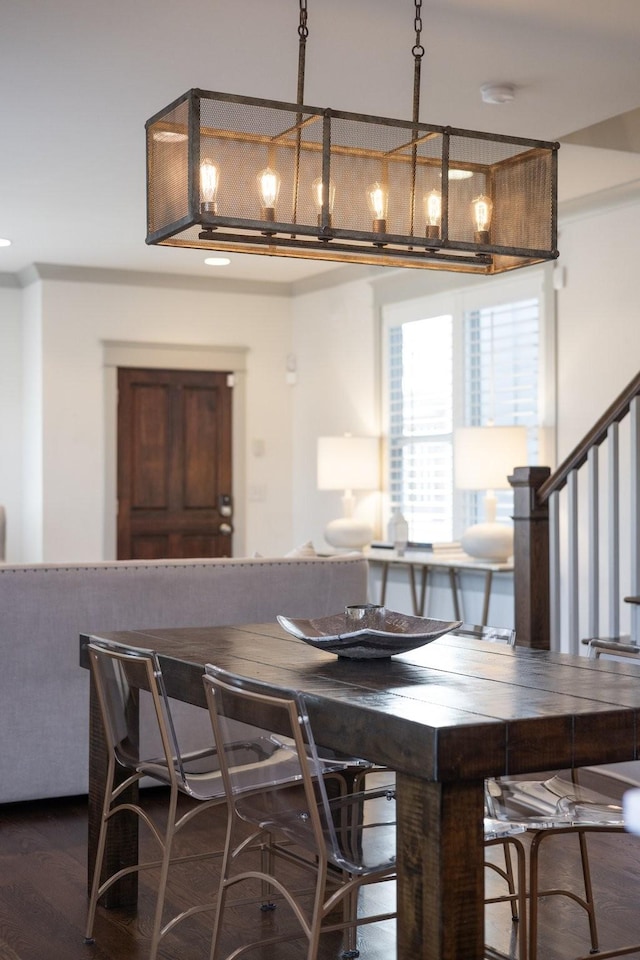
(488, 541)
(348, 532)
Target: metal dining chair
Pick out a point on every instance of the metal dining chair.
(334, 835)
(342, 839)
(123, 677)
(555, 806)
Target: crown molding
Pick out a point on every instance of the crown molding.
(140, 278)
(592, 204)
(347, 273)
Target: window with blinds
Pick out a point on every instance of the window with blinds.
(421, 425)
(478, 362)
(501, 381)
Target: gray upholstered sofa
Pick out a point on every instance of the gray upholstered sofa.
(44, 608)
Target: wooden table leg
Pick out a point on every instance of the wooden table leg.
(424, 582)
(383, 582)
(487, 597)
(122, 838)
(440, 870)
(453, 581)
(414, 594)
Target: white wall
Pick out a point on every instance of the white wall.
(598, 348)
(11, 416)
(76, 317)
(33, 424)
(598, 354)
(336, 345)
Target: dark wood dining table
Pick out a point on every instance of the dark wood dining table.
(444, 716)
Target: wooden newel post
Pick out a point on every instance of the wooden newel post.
(531, 557)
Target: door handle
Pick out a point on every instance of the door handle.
(225, 529)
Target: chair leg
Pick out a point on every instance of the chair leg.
(167, 845)
(266, 865)
(221, 900)
(588, 892)
(523, 939)
(217, 923)
(587, 903)
(516, 881)
(349, 916)
(102, 840)
(533, 896)
(511, 885)
(318, 912)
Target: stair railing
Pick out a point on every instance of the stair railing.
(571, 526)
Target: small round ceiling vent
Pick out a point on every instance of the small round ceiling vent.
(497, 92)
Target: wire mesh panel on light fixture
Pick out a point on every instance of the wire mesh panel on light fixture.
(467, 201)
(236, 173)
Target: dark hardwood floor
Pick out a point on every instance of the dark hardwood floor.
(43, 897)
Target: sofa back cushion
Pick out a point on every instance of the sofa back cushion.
(45, 607)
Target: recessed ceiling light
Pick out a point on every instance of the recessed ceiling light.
(456, 174)
(217, 261)
(4, 242)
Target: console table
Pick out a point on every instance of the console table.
(454, 564)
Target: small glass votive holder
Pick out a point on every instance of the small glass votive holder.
(365, 615)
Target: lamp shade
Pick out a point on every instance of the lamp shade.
(348, 463)
(485, 456)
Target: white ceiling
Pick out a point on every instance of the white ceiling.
(80, 77)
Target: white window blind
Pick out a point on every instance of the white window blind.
(421, 424)
(501, 380)
(474, 362)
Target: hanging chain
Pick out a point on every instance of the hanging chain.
(302, 29)
(303, 33)
(418, 53)
(418, 49)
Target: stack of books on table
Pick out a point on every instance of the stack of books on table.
(444, 548)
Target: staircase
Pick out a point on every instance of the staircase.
(577, 538)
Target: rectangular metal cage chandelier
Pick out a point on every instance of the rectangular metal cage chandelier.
(236, 173)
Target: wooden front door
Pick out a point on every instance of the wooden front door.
(174, 464)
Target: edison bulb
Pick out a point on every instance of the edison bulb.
(317, 189)
(433, 213)
(378, 201)
(269, 187)
(482, 208)
(209, 182)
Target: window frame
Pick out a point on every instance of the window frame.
(492, 292)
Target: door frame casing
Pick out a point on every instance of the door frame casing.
(173, 356)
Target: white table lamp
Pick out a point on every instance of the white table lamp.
(483, 459)
(348, 463)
